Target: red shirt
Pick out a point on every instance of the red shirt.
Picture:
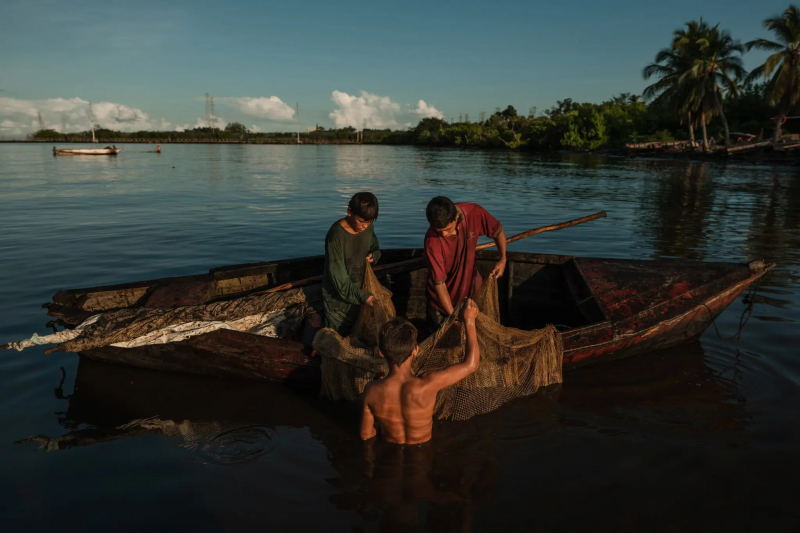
(452, 259)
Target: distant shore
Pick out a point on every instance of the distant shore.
(188, 141)
(767, 156)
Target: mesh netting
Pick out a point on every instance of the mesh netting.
(269, 314)
(513, 362)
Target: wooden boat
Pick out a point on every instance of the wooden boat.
(90, 151)
(606, 308)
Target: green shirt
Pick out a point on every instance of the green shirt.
(345, 261)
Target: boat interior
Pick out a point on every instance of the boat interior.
(536, 289)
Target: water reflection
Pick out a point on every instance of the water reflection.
(676, 211)
(677, 388)
(774, 223)
(436, 486)
(710, 429)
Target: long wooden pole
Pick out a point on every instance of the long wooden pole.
(419, 260)
(536, 231)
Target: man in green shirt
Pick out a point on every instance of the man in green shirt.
(349, 244)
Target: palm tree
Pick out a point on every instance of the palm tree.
(713, 62)
(700, 59)
(670, 65)
(783, 89)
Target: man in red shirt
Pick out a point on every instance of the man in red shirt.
(450, 252)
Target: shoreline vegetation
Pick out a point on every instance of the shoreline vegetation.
(701, 95)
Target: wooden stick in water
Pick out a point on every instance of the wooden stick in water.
(418, 260)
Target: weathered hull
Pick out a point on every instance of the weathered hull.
(640, 306)
(222, 353)
(684, 328)
(241, 355)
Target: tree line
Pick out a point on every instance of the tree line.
(699, 84)
(233, 132)
(699, 77)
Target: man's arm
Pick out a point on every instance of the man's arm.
(500, 240)
(455, 373)
(367, 421)
(444, 297)
(434, 257)
(374, 249)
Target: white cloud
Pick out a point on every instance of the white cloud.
(216, 122)
(365, 111)
(75, 113)
(424, 110)
(8, 124)
(255, 129)
(272, 108)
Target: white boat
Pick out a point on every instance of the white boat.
(90, 151)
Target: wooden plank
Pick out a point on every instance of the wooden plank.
(748, 146)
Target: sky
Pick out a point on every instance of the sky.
(147, 65)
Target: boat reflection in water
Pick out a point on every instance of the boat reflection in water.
(670, 396)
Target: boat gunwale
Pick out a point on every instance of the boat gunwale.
(515, 257)
(264, 264)
(754, 275)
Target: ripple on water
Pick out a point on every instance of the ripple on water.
(237, 445)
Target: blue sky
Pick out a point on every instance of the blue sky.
(148, 64)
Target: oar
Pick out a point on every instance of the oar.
(419, 260)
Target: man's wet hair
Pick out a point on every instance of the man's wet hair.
(364, 205)
(441, 211)
(397, 340)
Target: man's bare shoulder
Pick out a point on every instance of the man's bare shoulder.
(370, 387)
(374, 388)
(427, 379)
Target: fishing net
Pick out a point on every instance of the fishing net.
(269, 314)
(513, 362)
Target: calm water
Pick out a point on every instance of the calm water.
(704, 437)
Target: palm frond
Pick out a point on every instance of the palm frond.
(654, 69)
(730, 84)
(756, 73)
(732, 67)
(665, 54)
(764, 44)
(777, 87)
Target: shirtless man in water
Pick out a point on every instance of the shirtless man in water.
(402, 403)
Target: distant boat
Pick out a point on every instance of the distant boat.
(90, 151)
(737, 136)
